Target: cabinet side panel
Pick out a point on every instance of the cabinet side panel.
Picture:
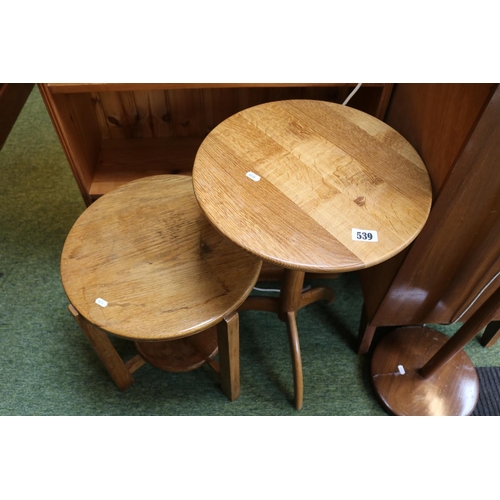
(457, 251)
(437, 119)
(76, 125)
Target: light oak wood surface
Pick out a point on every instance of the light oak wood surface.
(295, 181)
(147, 250)
(324, 169)
(169, 280)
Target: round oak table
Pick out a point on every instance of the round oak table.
(311, 186)
(143, 263)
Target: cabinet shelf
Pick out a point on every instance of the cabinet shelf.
(113, 133)
(124, 160)
(70, 88)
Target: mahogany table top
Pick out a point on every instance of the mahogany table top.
(312, 185)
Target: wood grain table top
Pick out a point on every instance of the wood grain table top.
(150, 254)
(312, 185)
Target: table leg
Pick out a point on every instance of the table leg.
(290, 300)
(491, 334)
(110, 358)
(293, 339)
(365, 334)
(229, 355)
(315, 294)
(291, 292)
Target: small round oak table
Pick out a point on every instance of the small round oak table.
(143, 263)
(311, 186)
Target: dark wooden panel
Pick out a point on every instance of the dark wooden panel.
(458, 250)
(12, 99)
(437, 119)
(69, 88)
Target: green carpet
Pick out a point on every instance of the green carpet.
(48, 367)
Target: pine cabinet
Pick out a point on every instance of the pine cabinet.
(115, 133)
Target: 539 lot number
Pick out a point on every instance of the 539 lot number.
(364, 235)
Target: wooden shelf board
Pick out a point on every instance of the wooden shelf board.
(124, 160)
(71, 88)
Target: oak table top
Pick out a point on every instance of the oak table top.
(304, 184)
(311, 186)
(164, 272)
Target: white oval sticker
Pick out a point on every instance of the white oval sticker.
(253, 176)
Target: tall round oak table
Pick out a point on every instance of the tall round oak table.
(311, 186)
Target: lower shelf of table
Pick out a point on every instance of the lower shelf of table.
(183, 354)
